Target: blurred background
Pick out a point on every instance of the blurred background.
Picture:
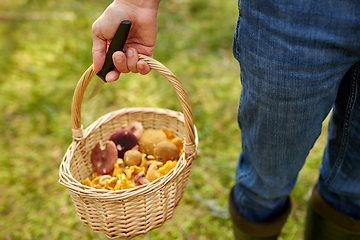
(45, 46)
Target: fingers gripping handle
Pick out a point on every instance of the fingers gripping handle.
(117, 44)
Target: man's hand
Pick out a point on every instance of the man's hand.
(141, 38)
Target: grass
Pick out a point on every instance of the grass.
(45, 46)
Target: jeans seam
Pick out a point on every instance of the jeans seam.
(345, 135)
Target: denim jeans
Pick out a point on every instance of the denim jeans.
(298, 61)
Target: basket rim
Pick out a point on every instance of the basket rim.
(113, 114)
(66, 179)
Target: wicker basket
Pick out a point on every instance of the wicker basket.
(131, 212)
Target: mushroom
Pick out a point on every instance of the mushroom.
(111, 183)
(87, 182)
(167, 167)
(169, 134)
(136, 128)
(124, 140)
(119, 168)
(149, 139)
(178, 142)
(95, 183)
(152, 172)
(132, 157)
(140, 179)
(165, 151)
(126, 183)
(103, 159)
(133, 170)
(103, 179)
(146, 162)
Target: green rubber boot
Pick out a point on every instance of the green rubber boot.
(246, 230)
(323, 222)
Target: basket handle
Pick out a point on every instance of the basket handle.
(156, 66)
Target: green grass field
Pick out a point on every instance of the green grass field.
(45, 46)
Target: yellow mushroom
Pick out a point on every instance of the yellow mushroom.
(146, 162)
(103, 179)
(125, 182)
(111, 183)
(86, 182)
(131, 171)
(95, 183)
(152, 172)
(169, 134)
(119, 168)
(178, 142)
(167, 167)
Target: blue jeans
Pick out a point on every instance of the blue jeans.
(298, 61)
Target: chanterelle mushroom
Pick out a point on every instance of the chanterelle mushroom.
(152, 172)
(146, 162)
(125, 182)
(103, 160)
(119, 168)
(124, 140)
(149, 139)
(165, 151)
(178, 142)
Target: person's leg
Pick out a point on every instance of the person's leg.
(339, 182)
(292, 57)
(336, 202)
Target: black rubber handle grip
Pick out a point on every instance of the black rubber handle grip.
(117, 44)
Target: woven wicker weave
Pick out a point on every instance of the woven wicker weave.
(131, 212)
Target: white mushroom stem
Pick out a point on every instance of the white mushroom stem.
(102, 145)
(140, 179)
(138, 176)
(119, 147)
(143, 181)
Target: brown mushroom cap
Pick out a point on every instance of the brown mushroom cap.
(103, 160)
(132, 157)
(165, 151)
(124, 140)
(149, 139)
(136, 128)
